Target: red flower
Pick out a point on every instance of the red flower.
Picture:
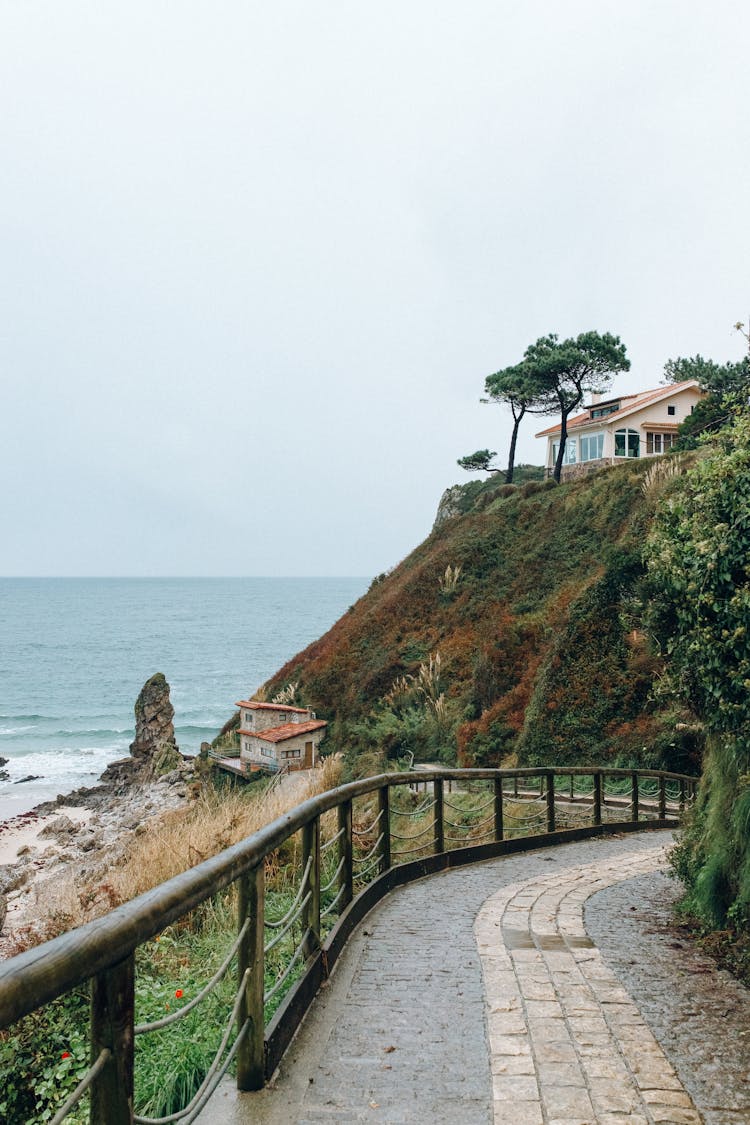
(65, 1055)
(178, 993)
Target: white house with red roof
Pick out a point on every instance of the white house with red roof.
(275, 736)
(610, 430)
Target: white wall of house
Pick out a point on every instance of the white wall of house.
(582, 444)
(292, 752)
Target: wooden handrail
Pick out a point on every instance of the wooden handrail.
(102, 951)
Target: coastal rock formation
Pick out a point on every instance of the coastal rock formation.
(155, 750)
(449, 505)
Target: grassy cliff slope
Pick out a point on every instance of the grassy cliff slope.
(541, 649)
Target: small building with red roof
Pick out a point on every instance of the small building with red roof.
(276, 736)
(610, 430)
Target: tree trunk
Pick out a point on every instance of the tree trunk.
(561, 447)
(512, 450)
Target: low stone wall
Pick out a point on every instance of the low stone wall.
(583, 468)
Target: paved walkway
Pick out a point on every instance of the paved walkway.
(476, 996)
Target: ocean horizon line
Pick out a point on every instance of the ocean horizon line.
(170, 577)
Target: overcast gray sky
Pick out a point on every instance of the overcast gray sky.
(257, 259)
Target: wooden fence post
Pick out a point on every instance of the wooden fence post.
(438, 821)
(346, 853)
(112, 1022)
(550, 775)
(311, 848)
(384, 811)
(597, 798)
(250, 957)
(634, 792)
(662, 798)
(498, 808)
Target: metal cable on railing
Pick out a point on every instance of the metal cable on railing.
(415, 812)
(285, 975)
(535, 817)
(470, 839)
(303, 883)
(467, 826)
(359, 833)
(324, 889)
(408, 851)
(368, 855)
(365, 871)
(329, 843)
(332, 904)
(479, 808)
(156, 1025)
(282, 933)
(85, 1084)
(190, 1111)
(428, 828)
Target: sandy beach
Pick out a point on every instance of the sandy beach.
(23, 831)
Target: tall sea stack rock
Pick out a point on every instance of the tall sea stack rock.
(154, 749)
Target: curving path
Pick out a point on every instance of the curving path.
(477, 996)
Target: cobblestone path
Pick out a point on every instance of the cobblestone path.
(474, 997)
(567, 1043)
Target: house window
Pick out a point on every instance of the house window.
(603, 411)
(672, 410)
(627, 443)
(659, 443)
(291, 753)
(592, 447)
(569, 457)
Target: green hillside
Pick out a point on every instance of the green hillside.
(535, 650)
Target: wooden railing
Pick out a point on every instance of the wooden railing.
(357, 842)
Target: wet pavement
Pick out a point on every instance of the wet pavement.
(540, 988)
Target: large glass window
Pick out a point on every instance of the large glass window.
(570, 455)
(592, 447)
(627, 443)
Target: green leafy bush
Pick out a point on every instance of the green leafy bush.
(699, 566)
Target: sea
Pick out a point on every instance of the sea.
(75, 652)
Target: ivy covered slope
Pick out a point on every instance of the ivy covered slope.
(699, 564)
(514, 629)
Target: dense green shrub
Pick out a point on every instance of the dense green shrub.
(699, 565)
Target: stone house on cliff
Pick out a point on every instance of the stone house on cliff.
(610, 430)
(276, 736)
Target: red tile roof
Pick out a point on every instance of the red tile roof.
(631, 403)
(251, 705)
(288, 730)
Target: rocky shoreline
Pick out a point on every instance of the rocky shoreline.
(78, 838)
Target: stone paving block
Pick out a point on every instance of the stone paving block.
(510, 1045)
(666, 1097)
(548, 1030)
(518, 1113)
(515, 1088)
(673, 1115)
(567, 1102)
(537, 1009)
(556, 1052)
(622, 1119)
(512, 1064)
(560, 1073)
